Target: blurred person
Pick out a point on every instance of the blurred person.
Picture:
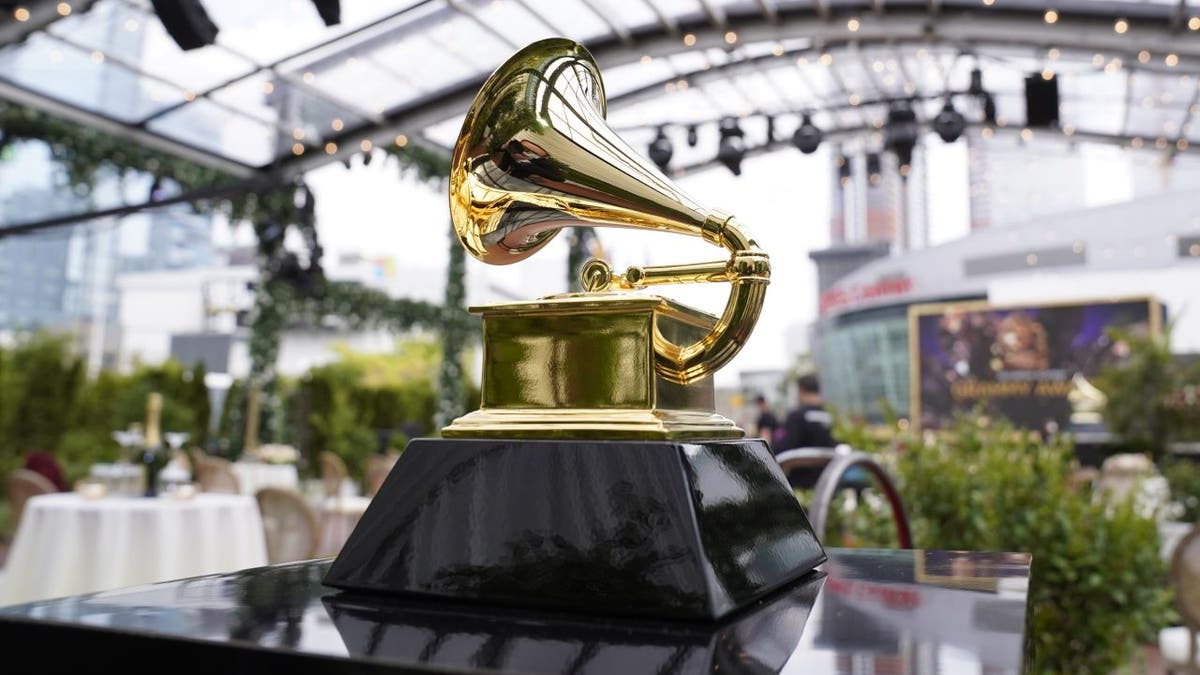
(44, 463)
(767, 424)
(809, 425)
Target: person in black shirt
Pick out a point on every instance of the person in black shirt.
(809, 425)
(767, 423)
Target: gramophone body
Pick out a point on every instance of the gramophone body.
(596, 475)
(535, 155)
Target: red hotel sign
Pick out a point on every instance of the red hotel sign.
(856, 294)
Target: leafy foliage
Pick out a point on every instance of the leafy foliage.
(1136, 391)
(46, 403)
(1183, 477)
(1098, 586)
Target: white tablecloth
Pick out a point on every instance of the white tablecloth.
(253, 476)
(66, 544)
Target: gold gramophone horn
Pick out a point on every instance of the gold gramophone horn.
(536, 155)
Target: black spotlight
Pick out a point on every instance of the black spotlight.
(661, 150)
(692, 138)
(976, 86)
(901, 133)
(1041, 101)
(186, 22)
(732, 149)
(330, 11)
(989, 109)
(807, 137)
(949, 123)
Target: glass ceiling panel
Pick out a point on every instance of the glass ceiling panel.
(88, 80)
(629, 14)
(205, 125)
(573, 19)
(269, 31)
(136, 37)
(389, 55)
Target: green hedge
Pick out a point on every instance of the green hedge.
(1098, 586)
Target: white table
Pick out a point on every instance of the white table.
(254, 476)
(67, 544)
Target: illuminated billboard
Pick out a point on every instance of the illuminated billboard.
(1031, 364)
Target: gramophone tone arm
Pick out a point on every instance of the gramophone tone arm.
(598, 276)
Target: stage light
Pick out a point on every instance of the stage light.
(949, 123)
(660, 150)
(186, 22)
(989, 109)
(692, 138)
(330, 11)
(1041, 101)
(901, 131)
(976, 86)
(732, 148)
(807, 137)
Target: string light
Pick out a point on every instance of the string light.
(298, 134)
(1143, 56)
(298, 149)
(337, 124)
(63, 9)
(268, 87)
(646, 59)
(826, 59)
(988, 3)
(308, 77)
(1171, 60)
(1121, 26)
(1194, 23)
(777, 50)
(731, 37)
(98, 57)
(855, 99)
(1097, 59)
(401, 140)
(21, 14)
(1137, 142)
(853, 25)
(689, 40)
(365, 145)
(330, 148)
(1027, 134)
(1053, 53)
(1047, 74)
(1181, 144)
(189, 95)
(1051, 16)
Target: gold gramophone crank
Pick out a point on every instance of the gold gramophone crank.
(535, 155)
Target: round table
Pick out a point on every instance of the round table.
(254, 476)
(67, 544)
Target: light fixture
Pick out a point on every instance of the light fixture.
(660, 150)
(692, 137)
(186, 22)
(949, 123)
(807, 137)
(1051, 16)
(21, 14)
(1121, 26)
(989, 109)
(329, 10)
(732, 148)
(901, 131)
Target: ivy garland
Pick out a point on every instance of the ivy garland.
(289, 291)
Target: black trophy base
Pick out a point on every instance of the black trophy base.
(657, 528)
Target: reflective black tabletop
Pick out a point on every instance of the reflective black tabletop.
(888, 611)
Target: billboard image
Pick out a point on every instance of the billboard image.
(1031, 364)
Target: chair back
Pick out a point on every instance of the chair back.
(378, 468)
(23, 484)
(290, 525)
(333, 473)
(216, 475)
(1185, 578)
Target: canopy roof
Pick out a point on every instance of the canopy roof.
(280, 92)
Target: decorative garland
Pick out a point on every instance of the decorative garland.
(288, 290)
